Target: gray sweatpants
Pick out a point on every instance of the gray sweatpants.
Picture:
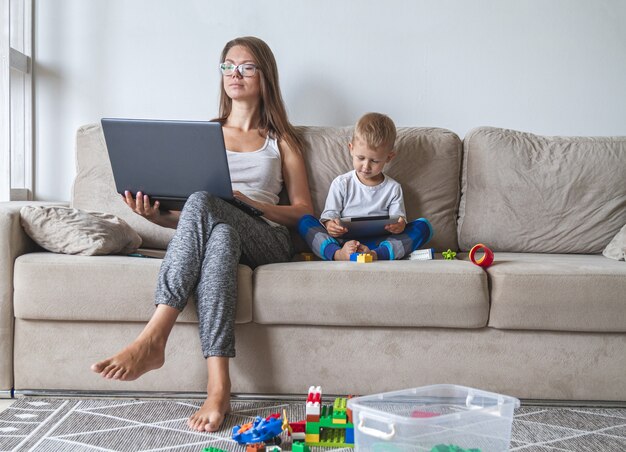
(211, 238)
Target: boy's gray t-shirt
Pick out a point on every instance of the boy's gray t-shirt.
(349, 197)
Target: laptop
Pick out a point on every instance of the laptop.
(169, 160)
(363, 227)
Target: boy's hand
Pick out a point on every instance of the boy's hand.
(396, 228)
(334, 228)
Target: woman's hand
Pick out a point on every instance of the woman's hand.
(335, 228)
(141, 206)
(240, 196)
(396, 228)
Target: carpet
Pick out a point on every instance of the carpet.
(64, 425)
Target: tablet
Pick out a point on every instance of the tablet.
(361, 227)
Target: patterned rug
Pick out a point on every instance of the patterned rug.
(64, 425)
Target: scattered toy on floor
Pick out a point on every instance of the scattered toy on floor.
(325, 426)
(260, 430)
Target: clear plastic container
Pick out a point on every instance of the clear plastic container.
(422, 418)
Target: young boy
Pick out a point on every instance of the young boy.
(366, 191)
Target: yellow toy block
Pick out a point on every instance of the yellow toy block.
(364, 258)
(312, 438)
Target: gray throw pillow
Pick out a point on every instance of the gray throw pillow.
(73, 231)
(616, 249)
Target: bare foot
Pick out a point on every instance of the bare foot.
(346, 250)
(210, 416)
(141, 356)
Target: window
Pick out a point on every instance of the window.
(16, 155)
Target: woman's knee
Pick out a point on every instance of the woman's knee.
(198, 199)
(227, 235)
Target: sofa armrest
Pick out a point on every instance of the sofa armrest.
(13, 243)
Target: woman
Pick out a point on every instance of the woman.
(212, 235)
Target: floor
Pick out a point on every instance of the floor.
(4, 404)
(538, 428)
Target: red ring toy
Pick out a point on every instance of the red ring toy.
(486, 260)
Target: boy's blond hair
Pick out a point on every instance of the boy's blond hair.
(377, 130)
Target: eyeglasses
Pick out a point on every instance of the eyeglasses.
(246, 69)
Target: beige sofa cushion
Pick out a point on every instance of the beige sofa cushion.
(529, 193)
(427, 164)
(94, 187)
(100, 288)
(434, 293)
(73, 231)
(616, 249)
(557, 292)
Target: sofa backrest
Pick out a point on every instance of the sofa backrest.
(427, 165)
(528, 193)
(94, 187)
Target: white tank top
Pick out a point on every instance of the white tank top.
(257, 174)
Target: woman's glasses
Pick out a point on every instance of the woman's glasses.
(246, 69)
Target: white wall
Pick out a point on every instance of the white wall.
(554, 67)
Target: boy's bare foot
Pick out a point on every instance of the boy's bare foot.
(210, 416)
(346, 250)
(141, 356)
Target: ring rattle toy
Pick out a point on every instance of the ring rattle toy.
(485, 260)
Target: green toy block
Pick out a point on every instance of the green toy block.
(451, 448)
(213, 449)
(331, 437)
(299, 446)
(312, 428)
(339, 410)
(326, 419)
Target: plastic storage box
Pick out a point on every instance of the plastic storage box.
(420, 419)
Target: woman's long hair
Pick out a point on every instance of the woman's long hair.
(272, 108)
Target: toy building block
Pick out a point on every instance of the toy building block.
(256, 447)
(326, 419)
(423, 414)
(349, 411)
(314, 401)
(451, 448)
(213, 449)
(349, 439)
(422, 255)
(298, 436)
(339, 415)
(312, 439)
(307, 256)
(273, 449)
(331, 437)
(312, 427)
(364, 258)
(300, 447)
(298, 426)
(361, 257)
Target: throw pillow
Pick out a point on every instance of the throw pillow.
(616, 249)
(73, 231)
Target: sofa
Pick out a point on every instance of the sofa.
(547, 320)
